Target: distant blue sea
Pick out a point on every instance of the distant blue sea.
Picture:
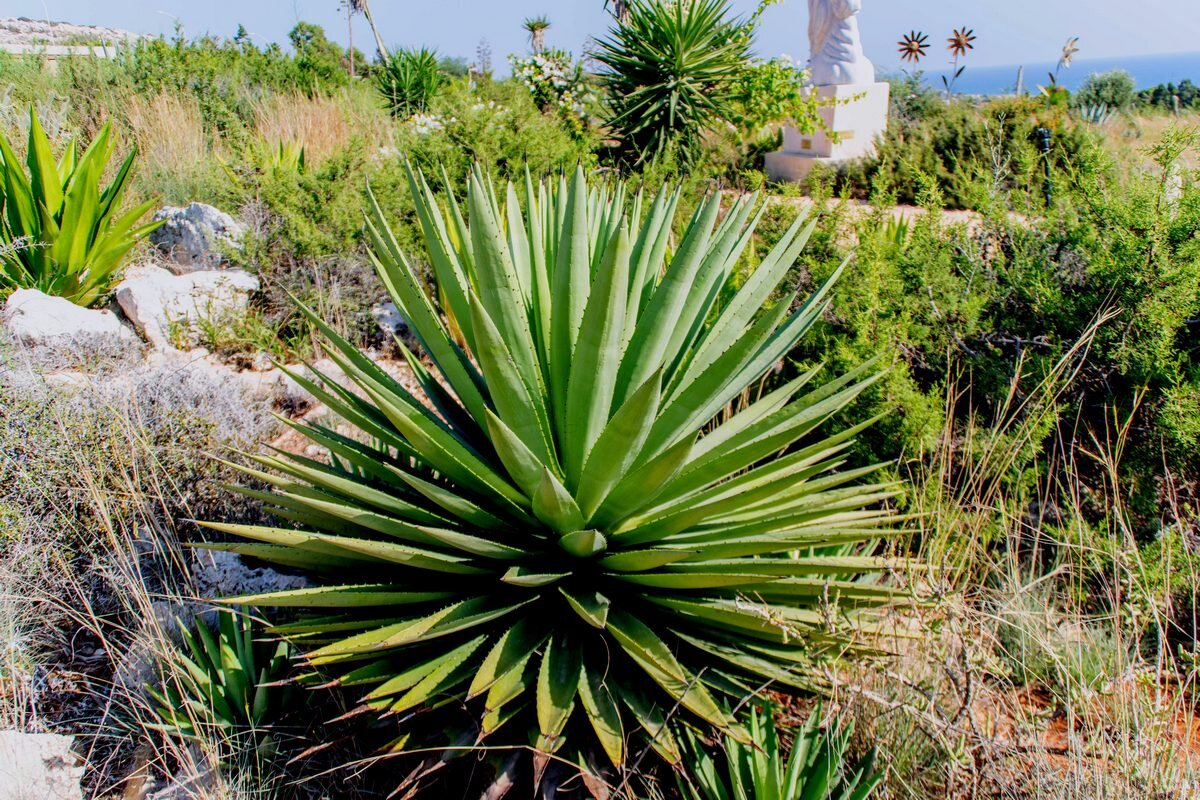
(1147, 71)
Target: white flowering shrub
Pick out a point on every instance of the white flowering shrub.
(425, 124)
(556, 83)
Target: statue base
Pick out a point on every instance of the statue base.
(857, 114)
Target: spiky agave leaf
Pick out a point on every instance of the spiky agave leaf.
(571, 532)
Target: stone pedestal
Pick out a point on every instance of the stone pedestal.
(858, 115)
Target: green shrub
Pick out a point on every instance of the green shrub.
(1167, 95)
(320, 63)
(225, 76)
(66, 235)
(971, 152)
(556, 545)
(816, 768)
(1113, 89)
(557, 84)
(498, 126)
(408, 81)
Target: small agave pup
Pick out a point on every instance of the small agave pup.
(574, 537)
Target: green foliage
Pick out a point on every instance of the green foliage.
(498, 126)
(969, 151)
(264, 159)
(1114, 89)
(673, 72)
(224, 683)
(556, 544)
(816, 768)
(219, 69)
(774, 91)
(67, 235)
(319, 62)
(408, 81)
(1167, 95)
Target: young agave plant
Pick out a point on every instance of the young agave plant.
(223, 684)
(573, 530)
(72, 233)
(819, 766)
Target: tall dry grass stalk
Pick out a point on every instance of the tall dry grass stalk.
(170, 135)
(323, 125)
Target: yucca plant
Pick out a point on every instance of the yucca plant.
(672, 72)
(75, 234)
(573, 529)
(408, 80)
(816, 768)
(536, 27)
(224, 683)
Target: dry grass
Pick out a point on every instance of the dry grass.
(1023, 675)
(324, 126)
(1128, 139)
(172, 143)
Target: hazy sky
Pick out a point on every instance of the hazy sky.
(1009, 31)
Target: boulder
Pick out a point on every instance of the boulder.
(390, 320)
(59, 327)
(197, 237)
(38, 766)
(160, 303)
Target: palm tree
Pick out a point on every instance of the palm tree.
(620, 10)
(364, 8)
(537, 27)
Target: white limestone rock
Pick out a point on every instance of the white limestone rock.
(160, 303)
(197, 237)
(64, 331)
(38, 766)
(390, 319)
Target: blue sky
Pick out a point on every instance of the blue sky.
(1009, 31)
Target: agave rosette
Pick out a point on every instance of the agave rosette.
(70, 234)
(573, 528)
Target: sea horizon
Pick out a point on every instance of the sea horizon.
(1148, 71)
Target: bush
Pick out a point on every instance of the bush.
(1112, 89)
(818, 767)
(224, 684)
(556, 83)
(1165, 96)
(971, 152)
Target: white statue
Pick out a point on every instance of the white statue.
(837, 57)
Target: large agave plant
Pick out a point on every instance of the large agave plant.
(573, 529)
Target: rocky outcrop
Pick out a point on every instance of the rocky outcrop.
(22, 31)
(63, 331)
(165, 307)
(197, 237)
(38, 766)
